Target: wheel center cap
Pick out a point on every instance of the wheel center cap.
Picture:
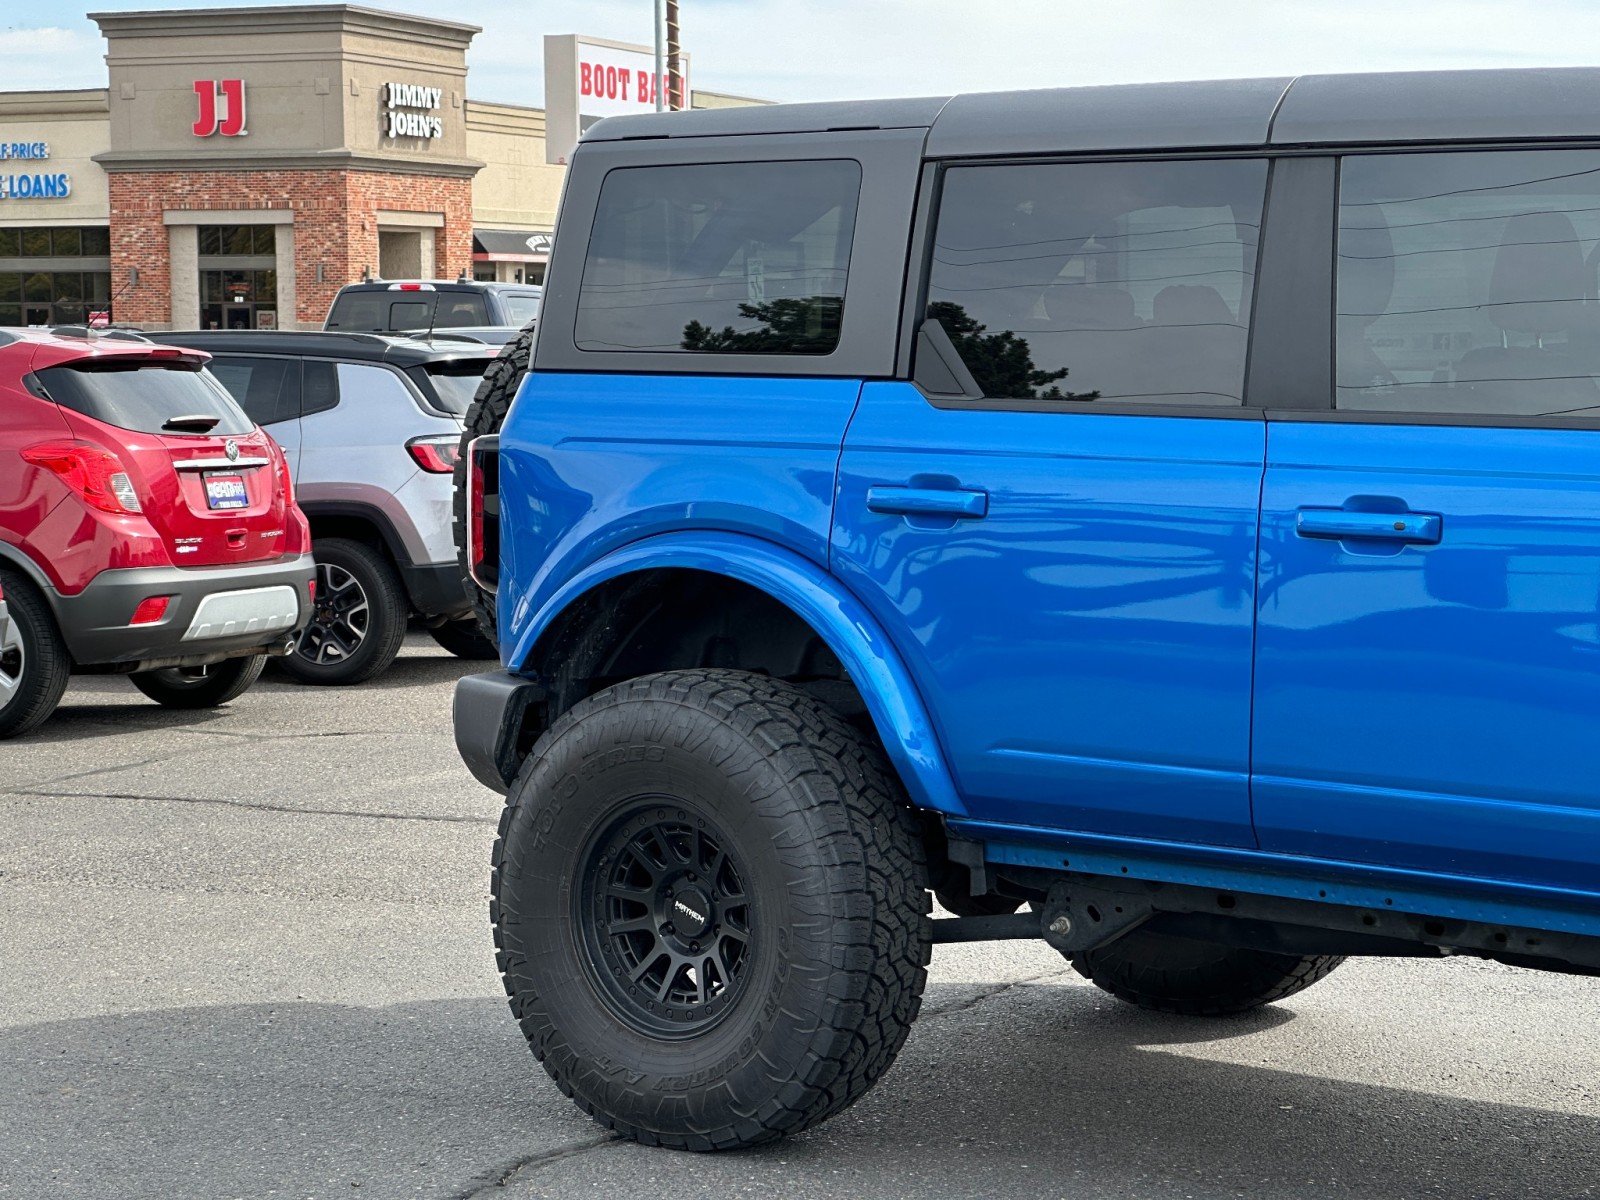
(690, 911)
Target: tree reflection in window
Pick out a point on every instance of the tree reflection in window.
(1000, 362)
(803, 325)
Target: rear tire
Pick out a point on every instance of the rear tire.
(1169, 974)
(200, 687)
(358, 619)
(710, 909)
(490, 404)
(465, 639)
(34, 663)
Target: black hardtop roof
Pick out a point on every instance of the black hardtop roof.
(1382, 107)
(398, 349)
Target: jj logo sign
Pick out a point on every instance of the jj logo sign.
(226, 118)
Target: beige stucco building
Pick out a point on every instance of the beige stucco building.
(242, 164)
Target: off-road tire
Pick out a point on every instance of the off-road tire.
(200, 687)
(386, 624)
(832, 870)
(1195, 978)
(487, 413)
(465, 640)
(41, 668)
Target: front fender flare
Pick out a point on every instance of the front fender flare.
(817, 598)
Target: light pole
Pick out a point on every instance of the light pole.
(661, 54)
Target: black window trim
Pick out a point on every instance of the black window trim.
(889, 159)
(919, 271)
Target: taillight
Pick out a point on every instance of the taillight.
(483, 512)
(92, 471)
(284, 481)
(437, 455)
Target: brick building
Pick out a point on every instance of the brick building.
(245, 163)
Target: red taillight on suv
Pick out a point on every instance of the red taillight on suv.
(483, 511)
(436, 455)
(92, 471)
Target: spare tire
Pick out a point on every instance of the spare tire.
(490, 403)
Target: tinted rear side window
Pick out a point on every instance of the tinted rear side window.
(268, 389)
(1082, 282)
(519, 310)
(145, 398)
(451, 385)
(731, 258)
(1467, 283)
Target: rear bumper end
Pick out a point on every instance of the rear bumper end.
(490, 714)
(215, 613)
(435, 589)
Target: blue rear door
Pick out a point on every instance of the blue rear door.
(1062, 541)
(1428, 666)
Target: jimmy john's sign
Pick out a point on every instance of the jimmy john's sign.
(408, 111)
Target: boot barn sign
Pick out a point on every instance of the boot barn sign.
(587, 78)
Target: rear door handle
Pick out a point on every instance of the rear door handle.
(927, 502)
(1341, 523)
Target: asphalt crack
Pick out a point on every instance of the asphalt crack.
(439, 818)
(989, 994)
(502, 1176)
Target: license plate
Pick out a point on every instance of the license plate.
(226, 491)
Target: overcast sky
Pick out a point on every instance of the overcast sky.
(838, 49)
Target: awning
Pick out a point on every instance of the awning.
(510, 245)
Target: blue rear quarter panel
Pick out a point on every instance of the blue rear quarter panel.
(591, 463)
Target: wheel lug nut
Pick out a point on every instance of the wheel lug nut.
(694, 946)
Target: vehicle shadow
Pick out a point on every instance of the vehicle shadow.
(407, 671)
(1036, 1091)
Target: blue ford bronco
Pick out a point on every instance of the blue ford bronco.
(1163, 520)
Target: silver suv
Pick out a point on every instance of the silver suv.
(370, 424)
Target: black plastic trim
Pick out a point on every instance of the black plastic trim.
(1356, 416)
(392, 542)
(488, 713)
(1291, 335)
(918, 258)
(94, 622)
(436, 589)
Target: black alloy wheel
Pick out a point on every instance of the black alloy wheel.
(358, 616)
(710, 909)
(340, 618)
(666, 919)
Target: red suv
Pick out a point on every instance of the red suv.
(147, 527)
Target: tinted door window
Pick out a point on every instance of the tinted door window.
(268, 389)
(1466, 283)
(733, 258)
(1100, 281)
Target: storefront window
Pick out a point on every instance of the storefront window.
(65, 241)
(53, 297)
(237, 241)
(238, 299)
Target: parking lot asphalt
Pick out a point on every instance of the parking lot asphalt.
(246, 954)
